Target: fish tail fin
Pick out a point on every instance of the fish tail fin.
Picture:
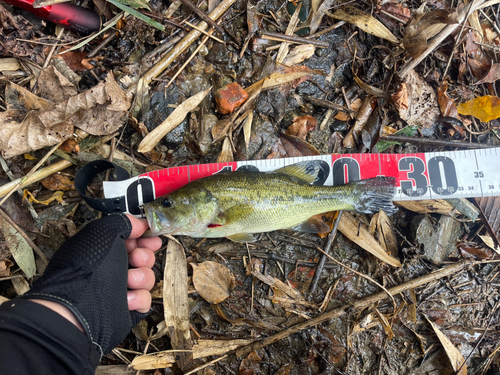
(374, 194)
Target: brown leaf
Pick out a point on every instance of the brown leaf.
(70, 145)
(454, 355)
(58, 182)
(400, 98)
(471, 252)
(213, 281)
(250, 364)
(355, 106)
(297, 147)
(398, 11)
(490, 207)
(354, 135)
(99, 111)
(422, 109)
(446, 105)
(54, 86)
(5, 266)
(301, 126)
(424, 26)
(485, 108)
(492, 75)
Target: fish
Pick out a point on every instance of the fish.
(239, 204)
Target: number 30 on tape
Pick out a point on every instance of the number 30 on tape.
(433, 175)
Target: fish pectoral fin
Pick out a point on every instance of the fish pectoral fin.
(312, 225)
(305, 170)
(242, 237)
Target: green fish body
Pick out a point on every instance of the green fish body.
(238, 204)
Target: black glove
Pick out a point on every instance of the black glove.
(88, 275)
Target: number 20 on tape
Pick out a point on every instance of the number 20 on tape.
(456, 174)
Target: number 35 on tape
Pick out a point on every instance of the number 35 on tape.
(433, 175)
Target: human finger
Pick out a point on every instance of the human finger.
(153, 243)
(141, 257)
(139, 300)
(141, 278)
(139, 226)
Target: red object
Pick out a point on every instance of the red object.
(68, 15)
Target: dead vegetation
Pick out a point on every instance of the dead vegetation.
(220, 80)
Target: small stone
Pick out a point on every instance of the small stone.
(229, 97)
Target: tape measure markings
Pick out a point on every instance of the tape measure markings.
(454, 174)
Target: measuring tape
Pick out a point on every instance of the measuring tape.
(432, 175)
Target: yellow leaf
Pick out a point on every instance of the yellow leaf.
(485, 108)
(29, 157)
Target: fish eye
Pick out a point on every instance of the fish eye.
(165, 203)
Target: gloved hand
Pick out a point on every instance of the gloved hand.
(89, 276)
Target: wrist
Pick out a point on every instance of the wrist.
(61, 310)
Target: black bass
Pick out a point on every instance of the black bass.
(238, 204)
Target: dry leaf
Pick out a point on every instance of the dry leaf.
(318, 11)
(5, 265)
(175, 118)
(19, 248)
(365, 22)
(301, 126)
(424, 26)
(276, 79)
(247, 129)
(400, 98)
(446, 105)
(397, 10)
(455, 357)
(57, 196)
(485, 108)
(99, 111)
(297, 147)
(490, 207)
(213, 281)
(366, 109)
(299, 54)
(226, 154)
(355, 106)
(370, 90)
(58, 182)
(422, 107)
(54, 86)
(352, 228)
(492, 75)
(490, 243)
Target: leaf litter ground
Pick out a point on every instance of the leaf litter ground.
(385, 77)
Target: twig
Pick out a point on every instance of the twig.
(31, 172)
(438, 39)
(204, 32)
(23, 235)
(360, 304)
(206, 365)
(293, 39)
(51, 53)
(328, 104)
(203, 16)
(360, 274)
(434, 142)
(327, 30)
(180, 47)
(457, 39)
(101, 45)
(322, 261)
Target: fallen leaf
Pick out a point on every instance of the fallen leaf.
(492, 75)
(213, 281)
(370, 90)
(247, 129)
(276, 79)
(70, 145)
(318, 11)
(400, 98)
(175, 118)
(57, 196)
(490, 243)
(485, 108)
(250, 364)
(398, 11)
(22, 253)
(471, 252)
(299, 54)
(364, 21)
(98, 111)
(352, 228)
(446, 105)
(422, 107)
(54, 86)
(454, 355)
(226, 154)
(297, 147)
(355, 106)
(490, 207)
(5, 266)
(58, 182)
(301, 126)
(354, 136)
(424, 26)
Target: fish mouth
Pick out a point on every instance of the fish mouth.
(157, 221)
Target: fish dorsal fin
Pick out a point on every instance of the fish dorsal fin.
(305, 170)
(242, 237)
(312, 225)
